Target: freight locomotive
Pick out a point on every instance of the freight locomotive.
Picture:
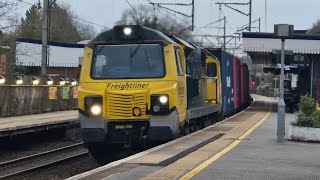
(140, 85)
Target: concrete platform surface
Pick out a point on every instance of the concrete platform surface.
(262, 157)
(28, 122)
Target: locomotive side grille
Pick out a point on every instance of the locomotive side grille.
(120, 106)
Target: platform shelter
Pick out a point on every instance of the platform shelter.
(302, 66)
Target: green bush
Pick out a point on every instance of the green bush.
(307, 105)
(304, 121)
(310, 116)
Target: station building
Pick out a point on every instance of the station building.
(302, 66)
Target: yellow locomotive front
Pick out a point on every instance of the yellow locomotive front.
(132, 87)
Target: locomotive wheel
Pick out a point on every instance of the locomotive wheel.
(185, 130)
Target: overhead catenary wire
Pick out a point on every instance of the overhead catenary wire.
(228, 21)
(184, 22)
(21, 1)
(169, 12)
(132, 6)
(90, 22)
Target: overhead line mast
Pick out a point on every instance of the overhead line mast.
(161, 5)
(246, 14)
(44, 37)
(45, 21)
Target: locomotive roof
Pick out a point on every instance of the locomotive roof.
(140, 32)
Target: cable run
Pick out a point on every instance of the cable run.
(90, 22)
(21, 1)
(185, 23)
(132, 6)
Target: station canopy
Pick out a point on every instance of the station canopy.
(300, 43)
(28, 53)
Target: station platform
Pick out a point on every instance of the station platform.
(10, 126)
(243, 146)
(260, 156)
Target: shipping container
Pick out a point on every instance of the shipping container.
(236, 84)
(227, 79)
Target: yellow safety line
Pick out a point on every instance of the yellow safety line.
(227, 149)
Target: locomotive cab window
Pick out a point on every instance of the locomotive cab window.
(128, 61)
(211, 69)
(178, 62)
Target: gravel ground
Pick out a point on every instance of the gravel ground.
(64, 170)
(70, 168)
(28, 144)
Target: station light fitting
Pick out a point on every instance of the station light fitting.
(49, 81)
(2, 79)
(62, 82)
(19, 80)
(74, 82)
(35, 81)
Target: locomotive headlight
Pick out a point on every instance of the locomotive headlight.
(127, 31)
(163, 99)
(160, 104)
(93, 105)
(95, 109)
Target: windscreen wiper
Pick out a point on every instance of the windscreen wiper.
(145, 52)
(130, 58)
(135, 50)
(139, 45)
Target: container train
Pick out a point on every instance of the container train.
(140, 85)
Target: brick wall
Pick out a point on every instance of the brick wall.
(69, 71)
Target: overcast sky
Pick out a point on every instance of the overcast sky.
(302, 14)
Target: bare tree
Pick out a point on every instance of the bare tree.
(315, 28)
(86, 31)
(149, 16)
(7, 36)
(7, 15)
(141, 14)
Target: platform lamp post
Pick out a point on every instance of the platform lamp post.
(282, 31)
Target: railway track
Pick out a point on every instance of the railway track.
(36, 162)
